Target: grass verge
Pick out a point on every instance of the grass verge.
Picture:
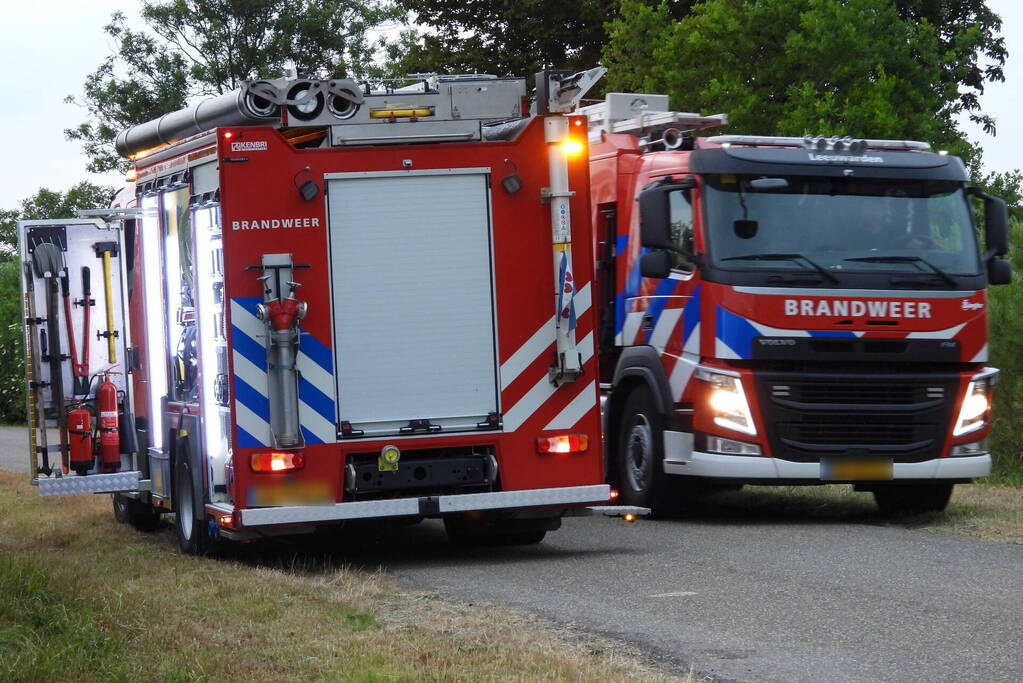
(83, 598)
(987, 511)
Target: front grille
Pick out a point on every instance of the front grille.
(857, 393)
(827, 430)
(813, 415)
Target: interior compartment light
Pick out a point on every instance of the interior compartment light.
(277, 461)
(976, 403)
(563, 443)
(728, 400)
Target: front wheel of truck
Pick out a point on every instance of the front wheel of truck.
(641, 474)
(894, 499)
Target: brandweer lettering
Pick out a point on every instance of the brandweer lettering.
(858, 309)
(273, 223)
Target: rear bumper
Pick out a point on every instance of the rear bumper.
(425, 506)
(738, 467)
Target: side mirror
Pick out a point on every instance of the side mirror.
(996, 224)
(655, 214)
(999, 272)
(655, 264)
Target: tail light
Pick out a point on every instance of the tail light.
(563, 443)
(277, 461)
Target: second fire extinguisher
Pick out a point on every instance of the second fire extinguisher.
(109, 430)
(79, 427)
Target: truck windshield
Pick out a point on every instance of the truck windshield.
(840, 225)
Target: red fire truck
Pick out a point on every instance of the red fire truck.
(325, 302)
(778, 310)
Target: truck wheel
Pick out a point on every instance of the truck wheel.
(193, 535)
(141, 516)
(912, 498)
(641, 454)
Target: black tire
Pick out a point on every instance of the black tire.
(640, 455)
(141, 516)
(894, 499)
(190, 523)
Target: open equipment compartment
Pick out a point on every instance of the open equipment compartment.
(81, 431)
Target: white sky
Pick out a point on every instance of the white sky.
(48, 47)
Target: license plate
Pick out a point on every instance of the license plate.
(858, 469)
(290, 493)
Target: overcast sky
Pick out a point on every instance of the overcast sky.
(48, 47)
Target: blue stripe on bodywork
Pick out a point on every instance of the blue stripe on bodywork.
(317, 351)
(656, 306)
(691, 315)
(316, 399)
(245, 440)
(309, 437)
(736, 332)
(251, 399)
(832, 333)
(252, 350)
(249, 303)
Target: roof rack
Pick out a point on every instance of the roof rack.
(819, 143)
(644, 115)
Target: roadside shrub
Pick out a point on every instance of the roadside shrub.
(1006, 345)
(12, 365)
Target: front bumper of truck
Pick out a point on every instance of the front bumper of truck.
(765, 469)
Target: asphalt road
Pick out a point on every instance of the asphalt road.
(744, 598)
(14, 449)
(750, 599)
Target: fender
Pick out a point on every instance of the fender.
(188, 447)
(636, 364)
(645, 363)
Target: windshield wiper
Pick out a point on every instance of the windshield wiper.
(906, 259)
(785, 257)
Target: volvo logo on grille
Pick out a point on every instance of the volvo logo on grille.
(765, 341)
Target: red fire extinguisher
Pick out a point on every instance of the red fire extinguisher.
(109, 430)
(79, 427)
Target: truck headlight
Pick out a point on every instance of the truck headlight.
(976, 403)
(728, 400)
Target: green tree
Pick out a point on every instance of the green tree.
(196, 48)
(792, 67)
(46, 204)
(972, 51)
(508, 38)
(43, 205)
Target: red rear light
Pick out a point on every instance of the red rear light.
(277, 461)
(563, 443)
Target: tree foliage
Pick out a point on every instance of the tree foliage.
(44, 204)
(194, 48)
(972, 51)
(508, 37)
(861, 67)
(50, 204)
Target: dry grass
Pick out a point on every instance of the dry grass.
(84, 598)
(985, 511)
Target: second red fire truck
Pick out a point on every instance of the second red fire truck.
(788, 310)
